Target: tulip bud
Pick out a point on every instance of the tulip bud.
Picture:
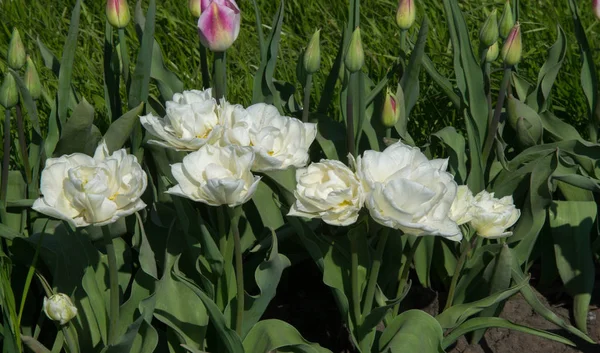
(513, 47)
(117, 13)
(355, 57)
(405, 14)
(32, 80)
(596, 5)
(312, 55)
(16, 51)
(390, 113)
(507, 21)
(195, 7)
(219, 25)
(489, 32)
(59, 308)
(492, 53)
(9, 95)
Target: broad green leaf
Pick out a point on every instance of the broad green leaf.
(140, 81)
(522, 86)
(167, 81)
(579, 181)
(28, 102)
(128, 340)
(78, 133)
(16, 219)
(571, 223)
(66, 68)
(278, 336)
(488, 322)
(558, 129)
(118, 132)
(410, 79)
(270, 214)
(10, 330)
(412, 331)
(97, 302)
(7, 232)
(442, 81)
(34, 344)
(422, 260)
(456, 150)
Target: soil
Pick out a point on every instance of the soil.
(306, 303)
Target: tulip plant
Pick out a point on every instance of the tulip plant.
(166, 231)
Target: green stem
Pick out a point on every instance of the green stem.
(204, 67)
(30, 274)
(114, 286)
(350, 113)
(403, 42)
(306, 105)
(372, 284)
(488, 90)
(388, 132)
(219, 75)
(458, 270)
(405, 271)
(222, 280)
(354, 282)
(23, 144)
(5, 157)
(71, 342)
(493, 127)
(239, 271)
(124, 56)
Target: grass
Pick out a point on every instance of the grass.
(176, 33)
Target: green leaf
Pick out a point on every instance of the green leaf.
(522, 86)
(558, 129)
(487, 322)
(442, 81)
(29, 103)
(78, 133)
(278, 336)
(412, 331)
(410, 79)
(422, 260)
(168, 83)
(66, 68)
(140, 81)
(270, 214)
(571, 223)
(118, 132)
(456, 148)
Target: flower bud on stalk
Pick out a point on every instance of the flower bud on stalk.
(195, 7)
(9, 95)
(312, 55)
(32, 80)
(596, 5)
(513, 47)
(492, 53)
(117, 13)
(390, 113)
(59, 308)
(489, 32)
(405, 14)
(219, 25)
(355, 57)
(507, 21)
(16, 51)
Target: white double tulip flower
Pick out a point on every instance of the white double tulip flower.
(278, 141)
(216, 176)
(192, 121)
(461, 211)
(92, 191)
(328, 190)
(492, 217)
(407, 191)
(59, 307)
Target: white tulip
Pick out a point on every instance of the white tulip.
(328, 190)
(278, 141)
(92, 191)
(461, 211)
(492, 217)
(59, 308)
(216, 176)
(191, 122)
(407, 191)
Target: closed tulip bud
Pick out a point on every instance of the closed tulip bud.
(390, 113)
(513, 47)
(355, 57)
(16, 51)
(312, 55)
(195, 7)
(9, 96)
(492, 53)
(59, 308)
(489, 32)
(507, 21)
(596, 5)
(219, 25)
(117, 13)
(32, 80)
(405, 15)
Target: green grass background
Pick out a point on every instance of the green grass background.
(176, 33)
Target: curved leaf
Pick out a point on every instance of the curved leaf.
(412, 331)
(271, 335)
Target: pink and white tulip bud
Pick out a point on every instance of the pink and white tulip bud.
(219, 25)
(596, 5)
(513, 47)
(32, 80)
(405, 14)
(390, 113)
(355, 57)
(117, 13)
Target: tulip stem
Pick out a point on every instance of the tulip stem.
(354, 282)
(493, 127)
(306, 105)
(30, 274)
(114, 286)
(219, 75)
(461, 262)
(405, 270)
(5, 157)
(68, 332)
(239, 269)
(350, 114)
(372, 284)
(403, 42)
(204, 67)
(23, 144)
(124, 56)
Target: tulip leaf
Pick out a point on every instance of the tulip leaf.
(522, 86)
(558, 129)
(168, 83)
(29, 103)
(128, 340)
(78, 133)
(579, 181)
(66, 68)
(469, 284)
(412, 331)
(140, 81)
(571, 223)
(488, 322)
(333, 76)
(422, 260)
(8, 233)
(278, 336)
(11, 336)
(442, 81)
(456, 147)
(96, 299)
(112, 97)
(410, 78)
(118, 132)
(264, 199)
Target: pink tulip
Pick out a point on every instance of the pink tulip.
(596, 4)
(117, 13)
(219, 24)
